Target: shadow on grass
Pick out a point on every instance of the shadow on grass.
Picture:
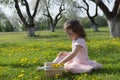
(103, 70)
(106, 71)
(17, 65)
(49, 36)
(65, 76)
(111, 62)
(70, 76)
(92, 31)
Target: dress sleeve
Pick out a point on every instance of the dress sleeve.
(80, 42)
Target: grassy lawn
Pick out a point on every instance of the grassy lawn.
(20, 55)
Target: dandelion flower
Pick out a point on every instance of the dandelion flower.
(53, 65)
(62, 64)
(22, 71)
(79, 78)
(57, 65)
(85, 74)
(0, 67)
(36, 77)
(21, 75)
(94, 79)
(57, 75)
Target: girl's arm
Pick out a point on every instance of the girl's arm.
(63, 54)
(71, 55)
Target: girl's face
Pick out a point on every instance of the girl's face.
(72, 35)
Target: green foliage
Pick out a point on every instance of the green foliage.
(5, 25)
(41, 25)
(7, 2)
(62, 21)
(100, 20)
(0, 28)
(86, 22)
(20, 55)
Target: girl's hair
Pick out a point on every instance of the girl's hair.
(76, 27)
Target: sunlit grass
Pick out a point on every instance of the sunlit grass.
(20, 55)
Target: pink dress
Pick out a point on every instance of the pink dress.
(81, 62)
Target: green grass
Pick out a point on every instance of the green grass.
(20, 55)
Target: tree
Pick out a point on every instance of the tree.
(5, 24)
(71, 11)
(29, 23)
(87, 9)
(113, 16)
(101, 21)
(53, 20)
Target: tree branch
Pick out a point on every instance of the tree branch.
(92, 18)
(116, 6)
(104, 8)
(87, 10)
(61, 9)
(27, 8)
(35, 11)
(19, 13)
(48, 12)
(96, 11)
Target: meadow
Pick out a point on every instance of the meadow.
(20, 55)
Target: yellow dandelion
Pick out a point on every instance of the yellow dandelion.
(15, 69)
(36, 77)
(53, 65)
(35, 60)
(57, 65)
(31, 74)
(62, 64)
(94, 79)
(21, 75)
(79, 78)
(85, 74)
(57, 75)
(0, 67)
(24, 59)
(22, 71)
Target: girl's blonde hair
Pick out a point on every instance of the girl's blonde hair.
(76, 27)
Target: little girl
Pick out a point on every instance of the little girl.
(76, 61)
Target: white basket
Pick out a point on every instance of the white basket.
(53, 72)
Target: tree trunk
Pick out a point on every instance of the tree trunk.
(52, 28)
(31, 31)
(95, 28)
(114, 27)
